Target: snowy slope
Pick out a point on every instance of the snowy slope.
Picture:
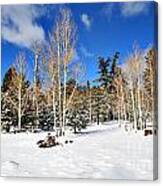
(104, 151)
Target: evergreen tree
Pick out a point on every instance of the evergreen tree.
(99, 105)
(7, 113)
(78, 114)
(114, 64)
(78, 118)
(103, 66)
(7, 80)
(10, 100)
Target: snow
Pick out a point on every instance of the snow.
(104, 152)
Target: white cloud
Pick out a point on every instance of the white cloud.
(19, 24)
(85, 52)
(86, 20)
(133, 8)
(108, 10)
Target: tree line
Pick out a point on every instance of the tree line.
(59, 97)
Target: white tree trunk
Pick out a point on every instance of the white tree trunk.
(119, 107)
(64, 97)
(90, 107)
(123, 104)
(35, 99)
(19, 107)
(139, 107)
(65, 78)
(133, 109)
(54, 110)
(59, 87)
(152, 95)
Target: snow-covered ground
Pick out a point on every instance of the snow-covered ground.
(104, 151)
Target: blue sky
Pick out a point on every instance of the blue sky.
(102, 29)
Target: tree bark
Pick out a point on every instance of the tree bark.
(19, 107)
(59, 84)
(133, 109)
(54, 110)
(90, 106)
(139, 107)
(65, 80)
(35, 98)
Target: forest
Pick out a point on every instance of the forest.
(60, 98)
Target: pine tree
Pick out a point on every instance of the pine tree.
(114, 67)
(78, 118)
(7, 112)
(99, 105)
(14, 79)
(7, 80)
(103, 66)
(78, 114)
